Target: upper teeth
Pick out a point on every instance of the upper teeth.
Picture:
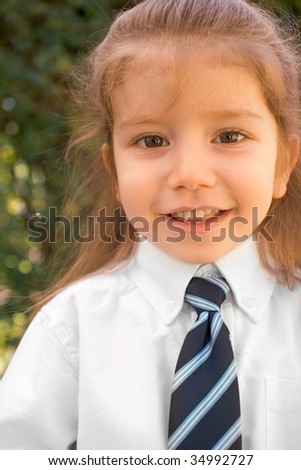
(196, 213)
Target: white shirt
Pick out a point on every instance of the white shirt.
(96, 365)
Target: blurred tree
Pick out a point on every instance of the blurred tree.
(292, 6)
(39, 45)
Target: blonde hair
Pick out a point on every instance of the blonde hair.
(249, 34)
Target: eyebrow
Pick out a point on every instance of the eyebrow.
(223, 114)
(238, 113)
(136, 122)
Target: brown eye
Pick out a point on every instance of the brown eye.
(229, 137)
(152, 141)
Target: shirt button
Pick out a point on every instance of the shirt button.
(168, 306)
(248, 301)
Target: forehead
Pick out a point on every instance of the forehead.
(201, 80)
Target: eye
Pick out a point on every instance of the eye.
(229, 137)
(152, 141)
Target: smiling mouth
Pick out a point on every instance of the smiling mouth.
(196, 215)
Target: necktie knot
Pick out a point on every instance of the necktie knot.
(208, 294)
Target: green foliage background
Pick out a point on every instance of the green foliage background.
(40, 43)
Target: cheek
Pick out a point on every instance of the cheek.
(254, 180)
(252, 188)
(132, 193)
(136, 180)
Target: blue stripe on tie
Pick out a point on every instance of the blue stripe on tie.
(198, 302)
(182, 374)
(203, 407)
(229, 437)
(219, 282)
(202, 317)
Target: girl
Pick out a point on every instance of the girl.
(195, 107)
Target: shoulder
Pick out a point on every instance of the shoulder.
(94, 289)
(288, 299)
(80, 310)
(79, 306)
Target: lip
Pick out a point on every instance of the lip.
(196, 226)
(199, 208)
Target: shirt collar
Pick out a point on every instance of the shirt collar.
(251, 285)
(163, 280)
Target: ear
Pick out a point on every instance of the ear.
(282, 178)
(105, 153)
(107, 161)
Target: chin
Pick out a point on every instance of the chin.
(193, 255)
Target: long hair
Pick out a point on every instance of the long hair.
(251, 36)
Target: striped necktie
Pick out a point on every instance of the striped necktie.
(205, 409)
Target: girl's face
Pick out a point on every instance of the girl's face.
(195, 156)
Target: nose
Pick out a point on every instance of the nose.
(192, 167)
